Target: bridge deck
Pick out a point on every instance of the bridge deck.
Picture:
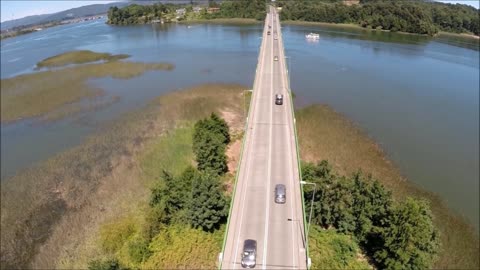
(269, 158)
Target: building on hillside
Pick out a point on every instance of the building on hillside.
(213, 10)
(351, 2)
(197, 9)
(181, 11)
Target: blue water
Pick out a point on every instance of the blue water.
(417, 97)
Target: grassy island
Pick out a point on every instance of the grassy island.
(53, 93)
(78, 57)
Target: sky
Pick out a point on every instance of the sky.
(19, 9)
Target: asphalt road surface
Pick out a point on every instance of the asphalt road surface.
(269, 158)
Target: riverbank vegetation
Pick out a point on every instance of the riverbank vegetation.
(183, 223)
(327, 135)
(67, 199)
(395, 234)
(420, 17)
(52, 92)
(139, 14)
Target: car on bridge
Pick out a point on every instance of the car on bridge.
(249, 254)
(280, 194)
(275, 58)
(279, 99)
(268, 33)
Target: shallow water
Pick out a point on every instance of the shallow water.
(416, 96)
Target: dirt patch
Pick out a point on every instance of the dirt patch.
(233, 155)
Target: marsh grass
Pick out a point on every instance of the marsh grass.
(36, 94)
(52, 212)
(78, 57)
(325, 134)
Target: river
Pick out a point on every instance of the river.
(418, 97)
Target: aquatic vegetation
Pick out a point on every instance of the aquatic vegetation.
(78, 57)
(36, 94)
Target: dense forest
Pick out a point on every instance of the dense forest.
(394, 234)
(140, 14)
(419, 17)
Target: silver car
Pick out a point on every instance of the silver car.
(249, 254)
(280, 193)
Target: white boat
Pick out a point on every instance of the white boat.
(312, 36)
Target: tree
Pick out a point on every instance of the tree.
(409, 239)
(210, 139)
(172, 195)
(398, 237)
(208, 207)
(220, 126)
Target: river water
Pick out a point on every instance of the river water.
(417, 97)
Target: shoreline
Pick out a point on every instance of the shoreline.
(326, 134)
(358, 27)
(245, 21)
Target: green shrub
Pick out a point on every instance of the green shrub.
(332, 250)
(181, 247)
(210, 138)
(114, 235)
(408, 240)
(208, 207)
(397, 235)
(104, 264)
(138, 249)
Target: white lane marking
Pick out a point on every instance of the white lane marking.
(287, 128)
(261, 61)
(269, 174)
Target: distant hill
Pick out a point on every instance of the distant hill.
(67, 14)
(84, 11)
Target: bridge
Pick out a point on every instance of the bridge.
(269, 157)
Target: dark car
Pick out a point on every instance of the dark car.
(268, 33)
(278, 99)
(280, 193)
(249, 254)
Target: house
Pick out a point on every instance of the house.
(213, 9)
(197, 9)
(181, 11)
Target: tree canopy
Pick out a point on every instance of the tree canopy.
(399, 235)
(210, 139)
(421, 17)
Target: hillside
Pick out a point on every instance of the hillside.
(67, 14)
